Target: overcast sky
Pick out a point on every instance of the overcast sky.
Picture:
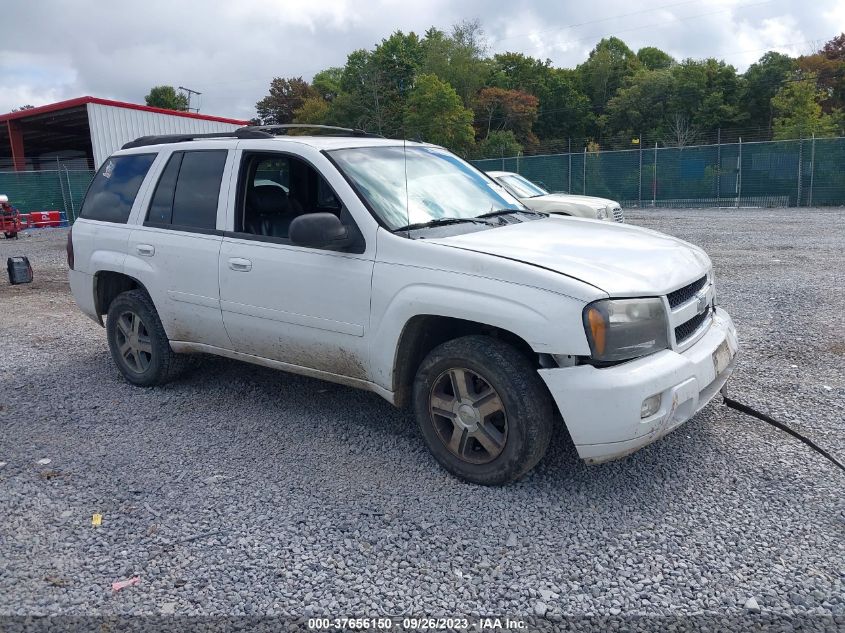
(229, 51)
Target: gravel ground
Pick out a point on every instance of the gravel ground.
(239, 490)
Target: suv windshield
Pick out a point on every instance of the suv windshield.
(521, 187)
(439, 184)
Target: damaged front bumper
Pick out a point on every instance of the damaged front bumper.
(602, 407)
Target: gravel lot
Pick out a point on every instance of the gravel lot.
(241, 490)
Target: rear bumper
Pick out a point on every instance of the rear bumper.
(601, 407)
(82, 288)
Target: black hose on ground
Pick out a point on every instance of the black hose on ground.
(733, 404)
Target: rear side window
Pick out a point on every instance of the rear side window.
(112, 192)
(187, 191)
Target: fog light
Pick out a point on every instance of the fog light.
(650, 406)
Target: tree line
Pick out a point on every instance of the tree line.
(446, 88)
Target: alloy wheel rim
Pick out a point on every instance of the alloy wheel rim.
(133, 342)
(468, 416)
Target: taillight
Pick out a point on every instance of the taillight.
(69, 248)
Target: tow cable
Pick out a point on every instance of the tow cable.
(742, 408)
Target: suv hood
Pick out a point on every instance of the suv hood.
(621, 259)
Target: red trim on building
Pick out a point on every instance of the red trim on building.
(72, 103)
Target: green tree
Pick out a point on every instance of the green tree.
(286, 97)
(708, 93)
(652, 58)
(314, 110)
(798, 113)
(641, 108)
(606, 69)
(497, 145)
(458, 58)
(166, 97)
(763, 79)
(327, 82)
(436, 114)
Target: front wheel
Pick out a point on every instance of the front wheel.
(10, 234)
(483, 410)
(138, 343)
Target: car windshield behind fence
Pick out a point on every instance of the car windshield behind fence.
(439, 184)
(522, 187)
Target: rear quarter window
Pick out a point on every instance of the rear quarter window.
(112, 191)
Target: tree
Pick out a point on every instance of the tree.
(641, 107)
(436, 114)
(327, 82)
(458, 58)
(498, 144)
(834, 50)
(286, 97)
(166, 97)
(23, 107)
(708, 92)
(314, 110)
(652, 58)
(605, 70)
(798, 113)
(681, 132)
(763, 79)
(513, 110)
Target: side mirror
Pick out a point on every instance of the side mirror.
(320, 230)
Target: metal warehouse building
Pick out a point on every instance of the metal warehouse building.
(81, 133)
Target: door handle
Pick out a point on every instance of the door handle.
(240, 265)
(146, 250)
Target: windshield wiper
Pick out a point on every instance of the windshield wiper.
(493, 214)
(437, 222)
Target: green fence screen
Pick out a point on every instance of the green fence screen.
(49, 190)
(775, 173)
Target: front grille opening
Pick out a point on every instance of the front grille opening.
(682, 295)
(618, 215)
(685, 330)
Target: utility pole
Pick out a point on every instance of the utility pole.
(189, 93)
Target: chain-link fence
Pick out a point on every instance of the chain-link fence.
(60, 189)
(802, 172)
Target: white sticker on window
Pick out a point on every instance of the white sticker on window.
(107, 172)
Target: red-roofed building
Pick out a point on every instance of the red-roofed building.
(87, 130)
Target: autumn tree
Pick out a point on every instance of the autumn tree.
(499, 109)
(166, 97)
(286, 96)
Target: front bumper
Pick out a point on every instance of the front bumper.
(601, 407)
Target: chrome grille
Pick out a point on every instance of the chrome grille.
(682, 295)
(685, 330)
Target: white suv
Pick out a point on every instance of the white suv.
(401, 269)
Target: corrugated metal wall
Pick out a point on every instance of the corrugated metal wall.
(111, 127)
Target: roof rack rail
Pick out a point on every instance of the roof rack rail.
(331, 130)
(248, 132)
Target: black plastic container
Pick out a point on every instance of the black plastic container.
(20, 271)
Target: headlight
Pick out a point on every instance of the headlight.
(601, 214)
(622, 329)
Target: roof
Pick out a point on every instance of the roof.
(73, 103)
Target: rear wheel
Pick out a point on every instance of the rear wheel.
(483, 410)
(138, 343)
(10, 234)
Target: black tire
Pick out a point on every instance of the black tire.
(9, 235)
(157, 363)
(527, 410)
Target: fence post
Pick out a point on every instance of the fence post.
(719, 168)
(812, 168)
(739, 174)
(70, 195)
(569, 171)
(585, 171)
(800, 168)
(654, 179)
(640, 188)
(61, 186)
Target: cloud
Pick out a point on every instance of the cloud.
(231, 51)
